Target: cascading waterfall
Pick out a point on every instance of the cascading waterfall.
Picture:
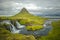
(13, 29)
(6, 21)
(18, 25)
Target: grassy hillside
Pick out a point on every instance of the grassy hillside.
(6, 35)
(54, 34)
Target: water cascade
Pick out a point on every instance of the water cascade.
(18, 25)
(13, 29)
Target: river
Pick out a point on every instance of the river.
(21, 29)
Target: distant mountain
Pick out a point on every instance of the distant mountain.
(56, 14)
(49, 14)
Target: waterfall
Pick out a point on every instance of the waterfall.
(13, 29)
(6, 21)
(19, 25)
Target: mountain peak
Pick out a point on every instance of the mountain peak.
(24, 10)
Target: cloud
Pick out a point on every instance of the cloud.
(12, 7)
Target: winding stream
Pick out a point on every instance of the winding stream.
(22, 29)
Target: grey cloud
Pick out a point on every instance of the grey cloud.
(7, 7)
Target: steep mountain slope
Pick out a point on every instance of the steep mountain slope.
(23, 14)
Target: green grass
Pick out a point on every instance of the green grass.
(6, 35)
(54, 34)
(34, 27)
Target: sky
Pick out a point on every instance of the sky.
(36, 7)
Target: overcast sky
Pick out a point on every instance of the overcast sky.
(12, 7)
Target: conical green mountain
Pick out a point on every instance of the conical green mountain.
(23, 12)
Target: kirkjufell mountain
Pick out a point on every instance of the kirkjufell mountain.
(25, 14)
(23, 11)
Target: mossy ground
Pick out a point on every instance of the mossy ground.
(7, 35)
(54, 34)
